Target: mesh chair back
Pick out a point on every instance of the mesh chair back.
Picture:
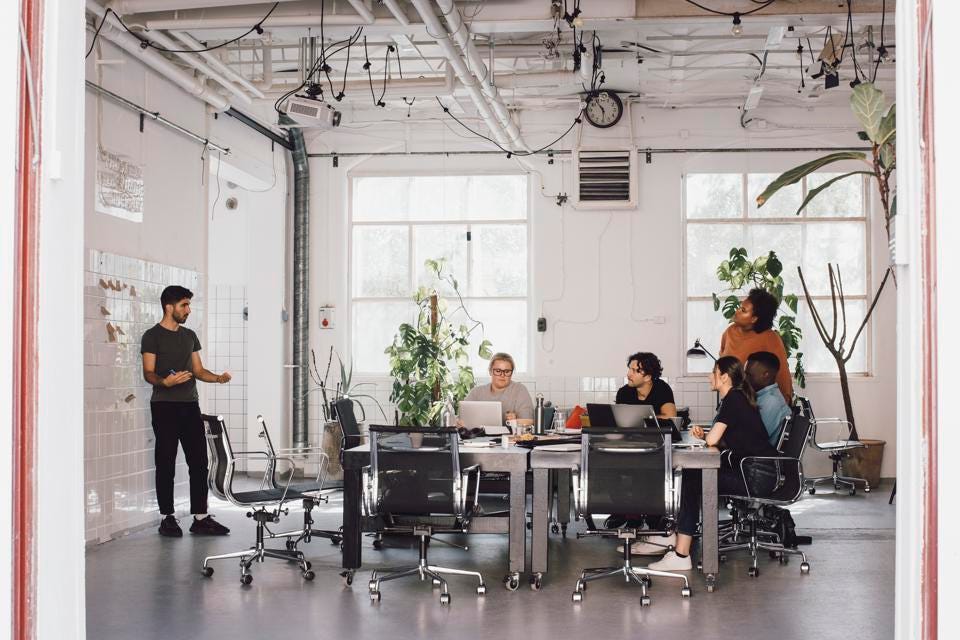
(791, 472)
(221, 454)
(627, 471)
(415, 470)
(348, 422)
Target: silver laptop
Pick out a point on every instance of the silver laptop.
(486, 414)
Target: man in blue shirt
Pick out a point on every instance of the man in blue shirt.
(762, 368)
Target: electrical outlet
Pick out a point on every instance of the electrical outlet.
(541, 324)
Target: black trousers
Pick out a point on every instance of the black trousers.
(173, 423)
(729, 482)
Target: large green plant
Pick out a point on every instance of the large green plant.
(742, 273)
(429, 359)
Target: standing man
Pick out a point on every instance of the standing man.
(171, 363)
(644, 385)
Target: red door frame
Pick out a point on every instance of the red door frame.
(25, 306)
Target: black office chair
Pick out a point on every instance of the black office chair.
(267, 502)
(751, 528)
(626, 471)
(312, 491)
(838, 447)
(414, 485)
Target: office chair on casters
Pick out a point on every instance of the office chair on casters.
(311, 491)
(748, 510)
(838, 448)
(625, 471)
(415, 485)
(267, 503)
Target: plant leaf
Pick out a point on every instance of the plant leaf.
(791, 301)
(794, 175)
(888, 126)
(813, 193)
(716, 302)
(730, 306)
(866, 101)
(888, 154)
(774, 266)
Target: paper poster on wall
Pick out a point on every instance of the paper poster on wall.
(119, 186)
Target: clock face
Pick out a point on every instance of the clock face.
(604, 109)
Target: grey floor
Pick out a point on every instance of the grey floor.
(144, 586)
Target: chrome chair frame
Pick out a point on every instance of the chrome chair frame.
(370, 497)
(639, 575)
(838, 449)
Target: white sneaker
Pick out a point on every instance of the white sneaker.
(651, 545)
(671, 562)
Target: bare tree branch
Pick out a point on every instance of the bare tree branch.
(833, 301)
(817, 321)
(866, 317)
(843, 311)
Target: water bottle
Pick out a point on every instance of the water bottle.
(538, 426)
(449, 416)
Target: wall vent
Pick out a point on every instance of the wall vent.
(605, 178)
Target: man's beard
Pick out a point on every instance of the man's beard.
(179, 319)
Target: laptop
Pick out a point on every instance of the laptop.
(628, 416)
(485, 414)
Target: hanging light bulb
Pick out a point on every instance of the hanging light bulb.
(737, 26)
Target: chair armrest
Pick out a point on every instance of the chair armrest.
(839, 438)
(367, 495)
(269, 458)
(466, 475)
(577, 497)
(777, 460)
(323, 460)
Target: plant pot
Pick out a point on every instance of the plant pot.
(416, 440)
(865, 462)
(330, 441)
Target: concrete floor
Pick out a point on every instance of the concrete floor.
(144, 586)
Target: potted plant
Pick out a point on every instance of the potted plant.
(740, 272)
(429, 358)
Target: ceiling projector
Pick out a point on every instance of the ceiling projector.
(312, 113)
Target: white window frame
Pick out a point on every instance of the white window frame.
(351, 224)
(745, 221)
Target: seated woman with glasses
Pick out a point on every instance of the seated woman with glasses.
(739, 432)
(513, 397)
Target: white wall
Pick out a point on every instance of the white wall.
(608, 300)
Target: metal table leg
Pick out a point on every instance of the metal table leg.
(351, 524)
(541, 521)
(518, 527)
(710, 544)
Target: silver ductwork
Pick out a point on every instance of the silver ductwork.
(301, 286)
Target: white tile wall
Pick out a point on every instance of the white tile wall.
(226, 350)
(121, 301)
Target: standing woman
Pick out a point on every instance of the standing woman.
(751, 330)
(739, 432)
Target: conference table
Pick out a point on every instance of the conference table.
(516, 461)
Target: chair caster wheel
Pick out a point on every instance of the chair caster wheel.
(347, 578)
(482, 590)
(378, 544)
(374, 596)
(372, 586)
(335, 541)
(577, 596)
(555, 528)
(852, 492)
(811, 490)
(711, 588)
(206, 572)
(246, 578)
(309, 575)
(685, 592)
(581, 585)
(644, 601)
(804, 567)
(444, 598)
(291, 545)
(309, 565)
(753, 572)
(723, 557)
(536, 581)
(511, 582)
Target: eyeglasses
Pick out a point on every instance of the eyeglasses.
(506, 373)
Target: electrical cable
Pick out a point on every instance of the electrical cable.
(96, 33)
(145, 43)
(881, 50)
(763, 5)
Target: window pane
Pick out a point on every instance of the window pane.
(381, 261)
(707, 246)
(381, 199)
(785, 239)
(441, 241)
(438, 197)
(783, 204)
(497, 198)
(504, 324)
(374, 325)
(499, 263)
(714, 195)
(840, 243)
(816, 358)
(842, 198)
(708, 325)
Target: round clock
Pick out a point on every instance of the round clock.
(604, 109)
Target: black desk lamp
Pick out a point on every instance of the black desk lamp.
(698, 351)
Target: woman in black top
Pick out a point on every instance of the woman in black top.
(739, 432)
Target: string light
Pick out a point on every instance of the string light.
(737, 26)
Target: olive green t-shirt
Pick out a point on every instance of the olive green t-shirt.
(174, 351)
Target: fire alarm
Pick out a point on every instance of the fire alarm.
(326, 317)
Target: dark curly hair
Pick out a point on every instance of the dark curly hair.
(648, 362)
(764, 308)
(174, 294)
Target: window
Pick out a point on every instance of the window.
(398, 222)
(721, 213)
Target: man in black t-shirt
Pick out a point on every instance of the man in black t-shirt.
(644, 385)
(171, 363)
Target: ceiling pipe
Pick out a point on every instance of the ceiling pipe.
(461, 35)
(157, 62)
(127, 7)
(397, 12)
(197, 63)
(216, 63)
(470, 82)
(343, 22)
